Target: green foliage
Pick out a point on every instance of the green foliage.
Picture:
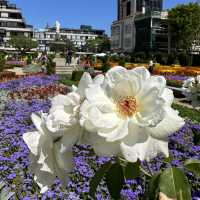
(174, 184)
(105, 68)
(76, 75)
(98, 177)
(132, 170)
(161, 58)
(22, 43)
(189, 113)
(29, 59)
(115, 173)
(2, 61)
(122, 62)
(50, 67)
(62, 45)
(171, 59)
(184, 59)
(67, 80)
(100, 44)
(184, 25)
(105, 64)
(153, 187)
(5, 195)
(174, 83)
(193, 166)
(35, 55)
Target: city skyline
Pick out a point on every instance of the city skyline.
(39, 13)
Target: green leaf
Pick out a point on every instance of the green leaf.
(193, 166)
(174, 184)
(132, 170)
(154, 187)
(115, 180)
(97, 178)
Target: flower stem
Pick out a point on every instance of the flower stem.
(145, 172)
(149, 168)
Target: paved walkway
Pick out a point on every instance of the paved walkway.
(61, 68)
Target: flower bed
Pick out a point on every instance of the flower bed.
(14, 153)
(5, 76)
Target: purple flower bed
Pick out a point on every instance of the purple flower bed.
(33, 81)
(176, 78)
(14, 153)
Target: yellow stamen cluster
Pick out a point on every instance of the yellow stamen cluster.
(126, 106)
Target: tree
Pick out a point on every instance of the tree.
(98, 45)
(61, 45)
(22, 43)
(184, 23)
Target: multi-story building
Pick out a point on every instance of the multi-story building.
(77, 36)
(141, 25)
(12, 23)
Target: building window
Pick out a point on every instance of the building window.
(128, 8)
(4, 15)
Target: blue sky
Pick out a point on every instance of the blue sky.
(72, 13)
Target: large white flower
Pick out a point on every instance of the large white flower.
(191, 89)
(64, 113)
(131, 113)
(57, 132)
(49, 157)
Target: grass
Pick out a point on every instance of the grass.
(189, 113)
(66, 80)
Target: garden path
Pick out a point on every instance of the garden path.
(61, 68)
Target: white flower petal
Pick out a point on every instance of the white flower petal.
(72, 136)
(100, 120)
(96, 94)
(116, 134)
(158, 82)
(44, 180)
(64, 157)
(123, 88)
(170, 124)
(99, 79)
(37, 121)
(144, 150)
(142, 72)
(101, 146)
(168, 96)
(113, 76)
(32, 140)
(59, 121)
(85, 81)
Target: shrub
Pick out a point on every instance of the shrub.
(105, 68)
(161, 58)
(67, 80)
(50, 67)
(2, 61)
(122, 63)
(76, 75)
(171, 59)
(29, 59)
(35, 55)
(114, 58)
(140, 57)
(184, 59)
